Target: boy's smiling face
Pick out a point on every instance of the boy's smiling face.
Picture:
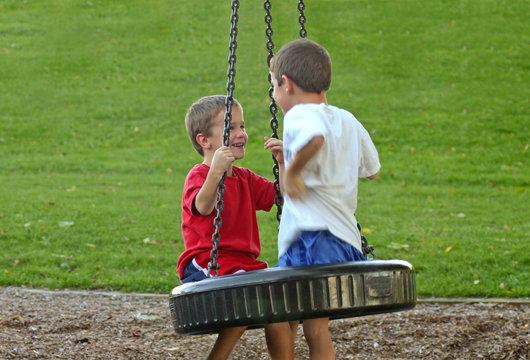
(238, 134)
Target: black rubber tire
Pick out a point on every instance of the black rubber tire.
(295, 293)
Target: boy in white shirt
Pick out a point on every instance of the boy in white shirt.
(326, 150)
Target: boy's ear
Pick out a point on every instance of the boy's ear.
(289, 84)
(202, 140)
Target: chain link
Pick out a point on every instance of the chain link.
(273, 108)
(302, 19)
(221, 189)
(367, 249)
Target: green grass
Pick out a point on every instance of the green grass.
(93, 149)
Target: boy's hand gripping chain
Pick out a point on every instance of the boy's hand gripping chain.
(218, 221)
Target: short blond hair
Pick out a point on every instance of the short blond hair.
(201, 115)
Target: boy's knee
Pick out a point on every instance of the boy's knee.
(316, 328)
(239, 330)
(234, 333)
(278, 330)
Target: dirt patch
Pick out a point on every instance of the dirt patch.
(91, 325)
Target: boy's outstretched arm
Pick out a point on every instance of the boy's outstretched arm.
(207, 195)
(293, 182)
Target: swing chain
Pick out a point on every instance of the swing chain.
(221, 189)
(217, 222)
(367, 249)
(231, 73)
(268, 20)
(302, 19)
(273, 110)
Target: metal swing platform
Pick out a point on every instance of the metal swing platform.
(271, 295)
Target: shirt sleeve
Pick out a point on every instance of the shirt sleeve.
(300, 127)
(368, 157)
(193, 184)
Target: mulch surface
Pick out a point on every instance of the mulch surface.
(93, 325)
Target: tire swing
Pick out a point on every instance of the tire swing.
(255, 298)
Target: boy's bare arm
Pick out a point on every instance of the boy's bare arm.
(293, 182)
(207, 195)
(371, 177)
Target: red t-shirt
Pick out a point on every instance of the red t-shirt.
(239, 246)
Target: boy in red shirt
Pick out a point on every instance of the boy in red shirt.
(246, 193)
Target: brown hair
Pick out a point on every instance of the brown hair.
(305, 62)
(201, 115)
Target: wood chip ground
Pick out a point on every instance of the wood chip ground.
(93, 325)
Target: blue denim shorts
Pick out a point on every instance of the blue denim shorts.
(319, 247)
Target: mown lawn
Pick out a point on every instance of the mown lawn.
(93, 148)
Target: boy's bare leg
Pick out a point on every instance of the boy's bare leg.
(279, 342)
(226, 340)
(316, 332)
(294, 328)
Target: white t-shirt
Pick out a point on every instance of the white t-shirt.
(331, 177)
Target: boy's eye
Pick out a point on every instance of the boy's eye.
(242, 127)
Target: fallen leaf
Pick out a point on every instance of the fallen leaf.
(449, 248)
(396, 246)
(141, 316)
(64, 224)
(172, 349)
(459, 215)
